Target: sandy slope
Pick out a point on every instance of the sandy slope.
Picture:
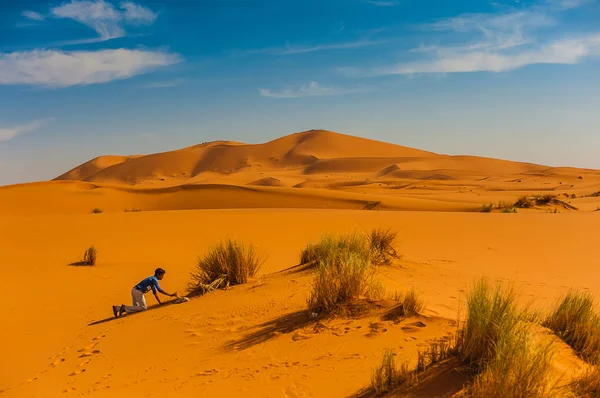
(253, 339)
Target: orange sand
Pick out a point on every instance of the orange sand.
(256, 339)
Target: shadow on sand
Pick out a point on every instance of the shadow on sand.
(152, 308)
(268, 330)
(442, 380)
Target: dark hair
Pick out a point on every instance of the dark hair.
(159, 271)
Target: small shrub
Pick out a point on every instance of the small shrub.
(228, 263)
(382, 244)
(523, 203)
(576, 322)
(340, 280)
(96, 210)
(573, 196)
(90, 257)
(588, 385)
(487, 208)
(372, 205)
(134, 210)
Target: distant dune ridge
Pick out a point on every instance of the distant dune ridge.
(311, 169)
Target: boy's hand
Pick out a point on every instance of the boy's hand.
(175, 295)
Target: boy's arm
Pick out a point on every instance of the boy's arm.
(162, 291)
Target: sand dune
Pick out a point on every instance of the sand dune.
(254, 340)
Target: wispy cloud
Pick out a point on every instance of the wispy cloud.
(498, 42)
(8, 133)
(51, 68)
(288, 50)
(35, 16)
(310, 90)
(382, 3)
(104, 17)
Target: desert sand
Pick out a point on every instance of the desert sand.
(60, 338)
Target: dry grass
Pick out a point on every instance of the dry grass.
(387, 376)
(340, 280)
(382, 243)
(436, 351)
(228, 263)
(331, 247)
(412, 304)
(576, 321)
(492, 316)
(378, 247)
(519, 369)
(588, 385)
(96, 210)
(495, 344)
(487, 208)
(372, 205)
(90, 257)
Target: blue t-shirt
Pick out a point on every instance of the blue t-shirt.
(150, 283)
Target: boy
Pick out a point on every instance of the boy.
(137, 294)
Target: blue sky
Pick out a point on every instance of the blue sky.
(517, 80)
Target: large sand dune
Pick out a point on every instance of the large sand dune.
(313, 169)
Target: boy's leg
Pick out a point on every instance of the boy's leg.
(139, 302)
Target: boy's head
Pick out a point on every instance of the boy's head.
(159, 273)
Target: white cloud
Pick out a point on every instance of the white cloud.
(35, 16)
(137, 13)
(61, 69)
(497, 42)
(11, 132)
(559, 52)
(312, 89)
(104, 17)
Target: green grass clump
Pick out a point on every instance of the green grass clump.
(340, 280)
(576, 321)
(518, 369)
(90, 257)
(495, 344)
(228, 263)
(331, 247)
(492, 316)
(378, 247)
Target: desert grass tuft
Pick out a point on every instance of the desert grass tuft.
(576, 321)
(340, 280)
(388, 376)
(382, 243)
(96, 210)
(518, 369)
(331, 247)
(228, 263)
(90, 257)
(373, 205)
(487, 208)
(491, 317)
(412, 303)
